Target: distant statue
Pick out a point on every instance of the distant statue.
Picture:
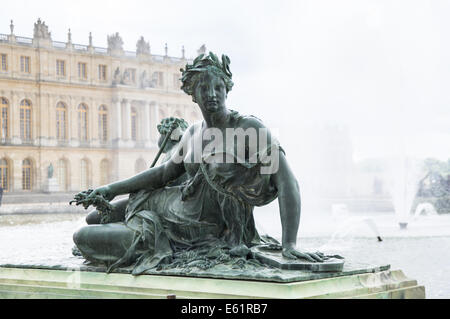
(142, 47)
(125, 76)
(201, 50)
(1, 195)
(41, 30)
(143, 79)
(50, 171)
(116, 76)
(206, 220)
(115, 42)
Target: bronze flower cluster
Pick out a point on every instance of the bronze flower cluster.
(206, 63)
(166, 125)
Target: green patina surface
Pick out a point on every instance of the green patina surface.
(221, 271)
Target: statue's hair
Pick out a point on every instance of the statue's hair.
(202, 64)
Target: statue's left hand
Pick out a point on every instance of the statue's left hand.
(289, 251)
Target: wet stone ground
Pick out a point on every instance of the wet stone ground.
(422, 251)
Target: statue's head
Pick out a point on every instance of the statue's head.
(202, 65)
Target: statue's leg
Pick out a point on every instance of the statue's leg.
(117, 214)
(106, 243)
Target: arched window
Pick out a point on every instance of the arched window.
(104, 172)
(82, 122)
(140, 166)
(4, 118)
(4, 174)
(102, 123)
(84, 176)
(62, 175)
(25, 120)
(27, 174)
(133, 124)
(61, 121)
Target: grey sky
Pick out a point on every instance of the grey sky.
(381, 68)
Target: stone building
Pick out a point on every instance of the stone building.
(89, 112)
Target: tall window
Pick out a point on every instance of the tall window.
(84, 182)
(61, 67)
(61, 121)
(4, 62)
(4, 118)
(25, 64)
(62, 175)
(104, 172)
(102, 72)
(25, 120)
(82, 70)
(102, 123)
(4, 174)
(82, 122)
(27, 176)
(133, 124)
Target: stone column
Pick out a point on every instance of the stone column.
(52, 120)
(146, 123)
(154, 121)
(36, 120)
(17, 171)
(72, 122)
(44, 120)
(92, 120)
(127, 120)
(116, 121)
(15, 118)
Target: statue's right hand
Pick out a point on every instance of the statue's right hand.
(104, 191)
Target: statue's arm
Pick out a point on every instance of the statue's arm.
(152, 178)
(290, 208)
(289, 201)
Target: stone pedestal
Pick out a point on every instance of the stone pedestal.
(51, 185)
(75, 283)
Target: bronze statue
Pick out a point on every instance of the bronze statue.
(208, 218)
(50, 171)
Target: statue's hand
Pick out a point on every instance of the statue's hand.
(104, 191)
(289, 251)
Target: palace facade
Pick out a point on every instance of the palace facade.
(89, 112)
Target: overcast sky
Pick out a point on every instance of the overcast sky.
(379, 68)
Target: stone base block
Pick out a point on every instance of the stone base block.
(51, 185)
(45, 283)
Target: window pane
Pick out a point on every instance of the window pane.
(26, 175)
(4, 62)
(4, 118)
(4, 175)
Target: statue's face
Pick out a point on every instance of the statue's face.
(210, 93)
